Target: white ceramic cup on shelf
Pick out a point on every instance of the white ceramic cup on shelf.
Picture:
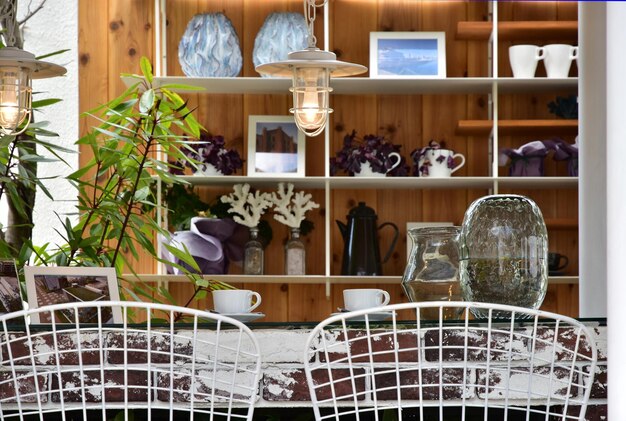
(438, 163)
(235, 301)
(366, 168)
(361, 299)
(524, 59)
(558, 59)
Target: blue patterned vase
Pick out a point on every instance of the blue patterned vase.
(280, 34)
(210, 47)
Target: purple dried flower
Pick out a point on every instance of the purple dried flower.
(177, 167)
(211, 150)
(373, 149)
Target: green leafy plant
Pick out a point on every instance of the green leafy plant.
(19, 157)
(118, 213)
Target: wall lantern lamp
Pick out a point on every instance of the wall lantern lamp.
(17, 69)
(310, 70)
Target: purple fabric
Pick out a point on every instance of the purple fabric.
(568, 152)
(212, 242)
(527, 167)
(527, 160)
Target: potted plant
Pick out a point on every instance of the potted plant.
(117, 204)
(371, 156)
(208, 156)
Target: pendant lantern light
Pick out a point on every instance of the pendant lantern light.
(311, 70)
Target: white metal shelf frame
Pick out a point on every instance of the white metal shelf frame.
(493, 86)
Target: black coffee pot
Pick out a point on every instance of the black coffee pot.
(361, 255)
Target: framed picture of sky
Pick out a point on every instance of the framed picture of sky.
(407, 55)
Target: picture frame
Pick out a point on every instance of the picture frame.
(10, 291)
(408, 55)
(54, 285)
(276, 147)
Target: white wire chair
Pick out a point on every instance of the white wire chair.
(159, 360)
(514, 364)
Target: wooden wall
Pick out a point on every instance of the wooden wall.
(114, 34)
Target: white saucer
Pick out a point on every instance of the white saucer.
(372, 317)
(243, 317)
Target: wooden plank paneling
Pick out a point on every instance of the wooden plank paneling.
(131, 24)
(93, 53)
(114, 44)
(512, 31)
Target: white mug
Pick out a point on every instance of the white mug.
(366, 168)
(360, 299)
(235, 301)
(438, 160)
(558, 59)
(524, 59)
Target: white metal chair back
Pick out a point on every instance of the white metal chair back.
(515, 364)
(157, 360)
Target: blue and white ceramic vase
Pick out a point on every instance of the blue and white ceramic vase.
(210, 47)
(280, 34)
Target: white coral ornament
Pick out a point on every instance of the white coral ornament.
(290, 211)
(248, 207)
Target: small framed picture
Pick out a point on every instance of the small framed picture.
(46, 285)
(10, 297)
(408, 54)
(275, 147)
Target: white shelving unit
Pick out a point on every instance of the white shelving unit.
(493, 86)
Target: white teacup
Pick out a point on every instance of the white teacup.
(361, 299)
(438, 159)
(235, 301)
(366, 168)
(558, 59)
(524, 59)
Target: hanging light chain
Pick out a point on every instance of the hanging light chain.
(310, 7)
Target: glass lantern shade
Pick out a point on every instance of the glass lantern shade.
(310, 98)
(17, 69)
(310, 71)
(15, 98)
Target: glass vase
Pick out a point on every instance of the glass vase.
(253, 254)
(295, 254)
(504, 250)
(432, 270)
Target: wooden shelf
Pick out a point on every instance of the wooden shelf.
(510, 85)
(517, 127)
(510, 31)
(537, 182)
(307, 279)
(259, 182)
(345, 182)
(366, 85)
